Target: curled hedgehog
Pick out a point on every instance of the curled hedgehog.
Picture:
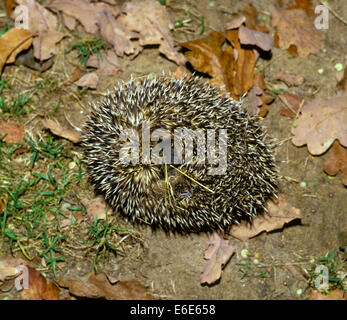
(133, 148)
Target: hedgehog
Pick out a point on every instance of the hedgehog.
(178, 154)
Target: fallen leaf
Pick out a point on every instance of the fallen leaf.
(38, 288)
(337, 161)
(320, 123)
(3, 201)
(44, 23)
(13, 131)
(262, 40)
(84, 11)
(12, 42)
(218, 254)
(69, 22)
(251, 14)
(236, 22)
(97, 208)
(89, 80)
(152, 22)
(57, 129)
(117, 35)
(108, 64)
(206, 55)
(75, 74)
(342, 83)
(244, 67)
(260, 99)
(288, 78)
(8, 268)
(306, 5)
(336, 294)
(98, 286)
(9, 6)
(27, 59)
(294, 28)
(279, 213)
(289, 104)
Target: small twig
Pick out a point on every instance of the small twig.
(300, 107)
(284, 100)
(326, 4)
(197, 182)
(310, 195)
(290, 179)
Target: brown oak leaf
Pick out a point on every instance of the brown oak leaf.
(13, 132)
(13, 42)
(320, 123)
(98, 286)
(294, 28)
(218, 254)
(152, 22)
(279, 213)
(206, 55)
(337, 161)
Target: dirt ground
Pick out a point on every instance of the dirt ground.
(171, 264)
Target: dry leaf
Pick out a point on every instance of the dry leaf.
(289, 104)
(107, 64)
(44, 23)
(152, 21)
(98, 286)
(279, 214)
(244, 67)
(117, 35)
(342, 83)
(84, 11)
(218, 254)
(76, 74)
(69, 22)
(251, 14)
(12, 42)
(57, 129)
(38, 288)
(336, 294)
(97, 208)
(337, 161)
(27, 59)
(206, 55)
(262, 40)
(306, 5)
(260, 98)
(3, 201)
(10, 6)
(89, 80)
(8, 268)
(288, 78)
(236, 22)
(321, 122)
(294, 28)
(14, 131)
